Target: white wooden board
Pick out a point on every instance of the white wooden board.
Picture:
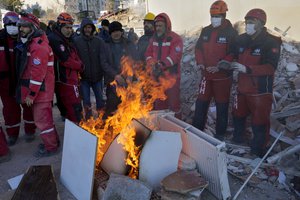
(78, 161)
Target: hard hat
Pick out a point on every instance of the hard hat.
(28, 19)
(10, 18)
(65, 18)
(149, 16)
(218, 7)
(257, 13)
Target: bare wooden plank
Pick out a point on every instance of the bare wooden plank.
(287, 113)
(37, 183)
(284, 138)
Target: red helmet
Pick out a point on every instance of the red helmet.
(218, 8)
(10, 18)
(65, 18)
(257, 13)
(28, 19)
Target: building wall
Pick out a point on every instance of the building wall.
(188, 14)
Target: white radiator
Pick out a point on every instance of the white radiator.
(206, 150)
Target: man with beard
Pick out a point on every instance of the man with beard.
(35, 85)
(148, 33)
(164, 54)
(67, 68)
(11, 109)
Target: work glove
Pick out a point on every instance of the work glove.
(238, 67)
(157, 71)
(224, 65)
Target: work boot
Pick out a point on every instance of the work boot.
(239, 124)
(29, 137)
(259, 139)
(222, 120)
(11, 140)
(5, 158)
(43, 152)
(88, 112)
(200, 114)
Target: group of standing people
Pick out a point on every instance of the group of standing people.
(254, 55)
(34, 66)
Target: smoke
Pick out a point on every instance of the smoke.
(189, 14)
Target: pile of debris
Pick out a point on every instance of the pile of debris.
(281, 168)
(130, 18)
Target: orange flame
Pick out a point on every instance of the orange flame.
(137, 101)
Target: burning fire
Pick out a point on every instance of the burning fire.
(137, 100)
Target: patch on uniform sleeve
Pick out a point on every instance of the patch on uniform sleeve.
(36, 61)
(275, 50)
(62, 47)
(178, 49)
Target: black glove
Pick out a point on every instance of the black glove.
(157, 71)
(225, 65)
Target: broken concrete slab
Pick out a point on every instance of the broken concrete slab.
(290, 48)
(183, 182)
(159, 157)
(292, 67)
(121, 187)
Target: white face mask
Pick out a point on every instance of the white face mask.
(12, 30)
(24, 40)
(216, 21)
(250, 29)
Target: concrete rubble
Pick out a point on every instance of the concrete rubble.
(125, 188)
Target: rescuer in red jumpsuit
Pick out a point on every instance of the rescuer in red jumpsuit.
(164, 53)
(11, 109)
(257, 53)
(67, 67)
(35, 75)
(212, 54)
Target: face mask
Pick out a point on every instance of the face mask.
(12, 30)
(216, 21)
(24, 40)
(250, 29)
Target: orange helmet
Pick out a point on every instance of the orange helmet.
(65, 18)
(218, 7)
(257, 13)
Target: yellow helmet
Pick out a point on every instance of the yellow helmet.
(149, 16)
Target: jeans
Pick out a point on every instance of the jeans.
(97, 88)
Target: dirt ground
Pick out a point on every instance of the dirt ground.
(22, 159)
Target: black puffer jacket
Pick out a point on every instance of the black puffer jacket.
(92, 53)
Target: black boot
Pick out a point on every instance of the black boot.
(222, 120)
(259, 140)
(239, 124)
(200, 114)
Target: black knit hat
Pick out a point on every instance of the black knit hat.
(105, 22)
(115, 26)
